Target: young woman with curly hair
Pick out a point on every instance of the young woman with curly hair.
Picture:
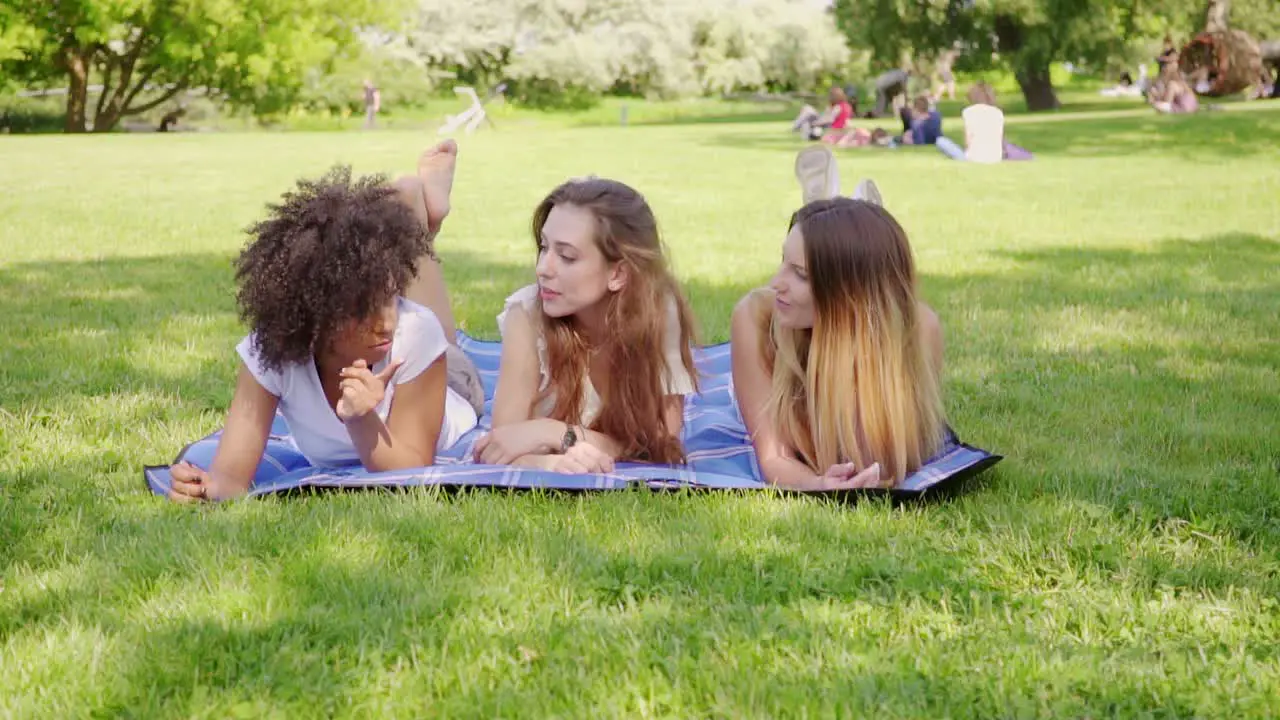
(597, 355)
(836, 363)
(360, 374)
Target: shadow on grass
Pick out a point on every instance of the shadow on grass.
(1141, 380)
(85, 387)
(105, 359)
(1144, 381)
(1138, 380)
(361, 599)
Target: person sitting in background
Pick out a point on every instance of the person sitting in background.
(812, 125)
(984, 140)
(983, 134)
(1168, 56)
(981, 93)
(1173, 95)
(921, 124)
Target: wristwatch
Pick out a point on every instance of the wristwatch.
(569, 440)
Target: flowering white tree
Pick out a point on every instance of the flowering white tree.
(651, 47)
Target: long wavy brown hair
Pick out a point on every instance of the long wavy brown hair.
(632, 410)
(861, 377)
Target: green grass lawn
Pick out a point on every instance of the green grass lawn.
(1111, 314)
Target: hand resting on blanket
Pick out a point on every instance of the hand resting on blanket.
(845, 476)
(506, 443)
(532, 443)
(582, 458)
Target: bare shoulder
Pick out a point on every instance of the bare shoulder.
(931, 334)
(930, 325)
(752, 307)
(517, 324)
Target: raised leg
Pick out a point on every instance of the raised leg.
(428, 193)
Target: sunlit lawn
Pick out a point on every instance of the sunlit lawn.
(1111, 314)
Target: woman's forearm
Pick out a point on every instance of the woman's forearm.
(789, 473)
(380, 449)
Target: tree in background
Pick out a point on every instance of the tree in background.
(402, 78)
(1227, 45)
(1259, 18)
(775, 46)
(553, 50)
(144, 53)
(1026, 36)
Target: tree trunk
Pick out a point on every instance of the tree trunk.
(107, 117)
(1215, 15)
(109, 112)
(115, 101)
(1037, 88)
(76, 63)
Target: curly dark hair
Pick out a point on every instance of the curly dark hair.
(331, 251)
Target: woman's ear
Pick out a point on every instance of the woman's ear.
(618, 276)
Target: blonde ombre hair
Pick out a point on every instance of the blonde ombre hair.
(861, 377)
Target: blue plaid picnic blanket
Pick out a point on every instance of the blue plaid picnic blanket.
(720, 455)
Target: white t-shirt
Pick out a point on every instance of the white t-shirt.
(984, 133)
(317, 432)
(678, 381)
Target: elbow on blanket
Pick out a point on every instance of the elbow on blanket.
(789, 474)
(407, 459)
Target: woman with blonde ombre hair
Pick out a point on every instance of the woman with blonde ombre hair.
(836, 365)
(597, 355)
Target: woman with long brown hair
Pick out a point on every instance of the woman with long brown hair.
(597, 355)
(836, 364)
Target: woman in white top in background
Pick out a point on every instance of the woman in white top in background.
(597, 355)
(360, 374)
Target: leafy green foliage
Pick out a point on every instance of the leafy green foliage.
(1259, 18)
(399, 74)
(1025, 36)
(145, 53)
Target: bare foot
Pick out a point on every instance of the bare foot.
(435, 170)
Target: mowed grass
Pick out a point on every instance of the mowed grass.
(1111, 314)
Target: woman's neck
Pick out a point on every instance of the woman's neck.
(329, 365)
(591, 321)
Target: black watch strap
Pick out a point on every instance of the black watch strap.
(569, 440)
